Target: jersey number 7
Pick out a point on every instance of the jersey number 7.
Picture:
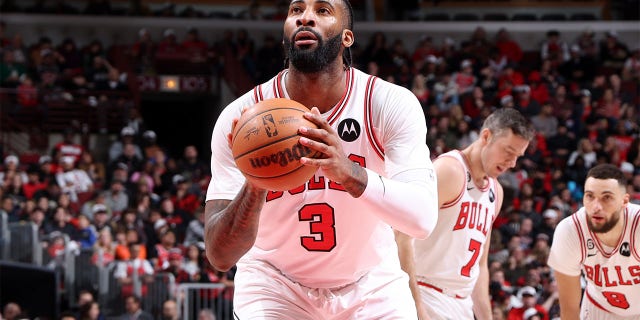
(474, 247)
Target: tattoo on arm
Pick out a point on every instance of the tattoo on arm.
(358, 181)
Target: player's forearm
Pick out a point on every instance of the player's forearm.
(231, 227)
(410, 207)
(407, 263)
(480, 295)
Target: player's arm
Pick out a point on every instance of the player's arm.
(231, 227)
(570, 293)
(407, 261)
(480, 295)
(565, 258)
(448, 170)
(400, 200)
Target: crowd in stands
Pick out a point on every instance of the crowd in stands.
(141, 208)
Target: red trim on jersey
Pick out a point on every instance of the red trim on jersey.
(373, 140)
(497, 210)
(464, 185)
(620, 240)
(341, 105)
(277, 88)
(635, 225)
(583, 248)
(595, 303)
(424, 284)
(257, 93)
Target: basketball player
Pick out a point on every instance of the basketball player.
(325, 249)
(603, 240)
(449, 271)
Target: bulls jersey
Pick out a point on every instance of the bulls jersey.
(612, 274)
(448, 259)
(317, 234)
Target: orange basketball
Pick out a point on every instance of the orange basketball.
(265, 145)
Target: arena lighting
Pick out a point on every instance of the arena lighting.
(170, 83)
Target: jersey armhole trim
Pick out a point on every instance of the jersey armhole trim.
(634, 228)
(368, 110)
(464, 185)
(583, 249)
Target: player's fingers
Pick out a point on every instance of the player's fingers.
(315, 145)
(230, 135)
(315, 117)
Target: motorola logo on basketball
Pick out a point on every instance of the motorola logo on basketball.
(283, 157)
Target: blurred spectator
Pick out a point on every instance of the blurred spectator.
(129, 158)
(86, 234)
(95, 169)
(544, 122)
(182, 198)
(524, 103)
(12, 311)
(90, 311)
(68, 147)
(585, 151)
(116, 197)
(464, 79)
(193, 46)
(528, 297)
(160, 255)
(507, 47)
(10, 71)
(125, 270)
(169, 44)
(70, 58)
(133, 307)
(191, 167)
(195, 229)
(206, 314)
(554, 49)
(631, 68)
(170, 310)
(127, 135)
(33, 184)
(613, 52)
(539, 90)
(11, 169)
(588, 45)
(579, 68)
(253, 12)
(73, 181)
(144, 51)
(192, 266)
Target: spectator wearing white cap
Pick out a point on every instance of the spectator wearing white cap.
(528, 297)
(550, 218)
(151, 149)
(72, 180)
(11, 169)
(127, 135)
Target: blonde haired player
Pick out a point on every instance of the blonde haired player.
(326, 249)
(449, 272)
(602, 240)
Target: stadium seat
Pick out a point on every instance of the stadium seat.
(524, 17)
(437, 17)
(466, 17)
(553, 17)
(495, 17)
(583, 17)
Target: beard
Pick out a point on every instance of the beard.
(310, 60)
(606, 226)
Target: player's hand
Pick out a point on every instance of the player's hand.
(335, 164)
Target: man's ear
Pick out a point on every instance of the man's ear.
(347, 38)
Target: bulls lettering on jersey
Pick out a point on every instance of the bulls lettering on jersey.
(464, 225)
(612, 273)
(312, 233)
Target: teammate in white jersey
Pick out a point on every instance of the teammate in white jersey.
(602, 240)
(450, 277)
(326, 249)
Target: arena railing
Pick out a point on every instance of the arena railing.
(195, 297)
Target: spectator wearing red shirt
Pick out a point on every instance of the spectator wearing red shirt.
(68, 147)
(529, 297)
(193, 46)
(169, 44)
(507, 46)
(33, 184)
(183, 199)
(539, 90)
(27, 94)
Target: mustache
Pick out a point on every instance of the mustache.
(315, 33)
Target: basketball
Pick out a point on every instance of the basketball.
(265, 144)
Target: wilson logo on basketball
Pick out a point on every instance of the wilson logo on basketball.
(282, 158)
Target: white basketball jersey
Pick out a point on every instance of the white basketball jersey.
(448, 259)
(612, 274)
(318, 234)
